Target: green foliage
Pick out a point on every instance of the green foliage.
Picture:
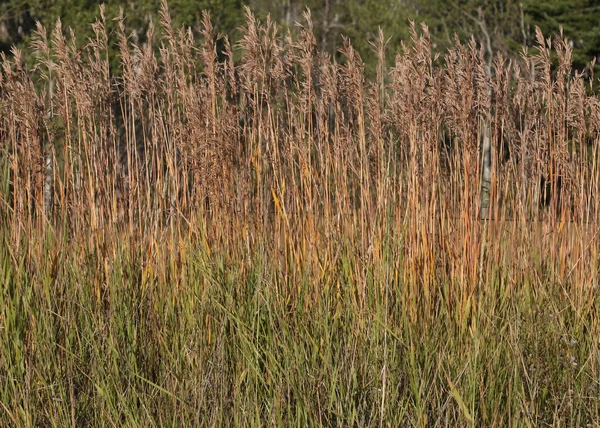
(358, 20)
(20, 17)
(362, 21)
(579, 20)
(508, 23)
(500, 20)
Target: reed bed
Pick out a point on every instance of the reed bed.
(257, 234)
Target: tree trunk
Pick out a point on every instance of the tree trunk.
(47, 151)
(486, 145)
(486, 173)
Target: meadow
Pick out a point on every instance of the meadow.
(261, 234)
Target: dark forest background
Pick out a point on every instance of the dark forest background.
(499, 25)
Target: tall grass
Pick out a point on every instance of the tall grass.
(195, 240)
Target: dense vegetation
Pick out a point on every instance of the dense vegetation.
(500, 25)
(259, 235)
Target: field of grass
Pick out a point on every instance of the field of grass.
(263, 235)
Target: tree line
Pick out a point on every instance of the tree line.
(498, 25)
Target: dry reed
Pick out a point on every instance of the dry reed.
(291, 155)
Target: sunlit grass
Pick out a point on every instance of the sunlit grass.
(278, 242)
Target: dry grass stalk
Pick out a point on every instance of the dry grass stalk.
(293, 153)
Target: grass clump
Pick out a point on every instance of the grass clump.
(278, 241)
